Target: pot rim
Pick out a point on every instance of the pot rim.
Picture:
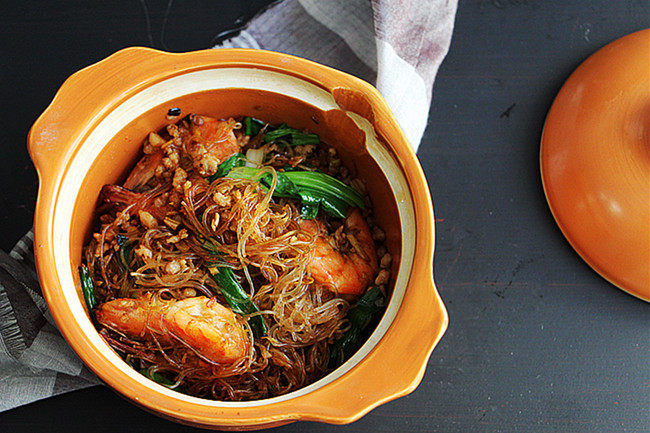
(322, 404)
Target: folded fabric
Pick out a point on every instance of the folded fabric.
(396, 45)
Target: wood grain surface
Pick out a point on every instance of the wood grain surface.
(537, 342)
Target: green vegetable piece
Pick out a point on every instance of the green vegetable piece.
(370, 303)
(242, 173)
(158, 378)
(88, 289)
(293, 136)
(304, 139)
(283, 187)
(326, 183)
(310, 205)
(360, 316)
(237, 160)
(252, 126)
(344, 348)
(330, 203)
(333, 195)
(282, 131)
(334, 209)
(237, 298)
(125, 254)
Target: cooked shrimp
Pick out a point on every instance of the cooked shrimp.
(144, 170)
(150, 202)
(211, 143)
(344, 273)
(202, 324)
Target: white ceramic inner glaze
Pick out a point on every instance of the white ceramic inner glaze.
(211, 79)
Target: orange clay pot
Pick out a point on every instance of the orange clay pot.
(595, 162)
(91, 135)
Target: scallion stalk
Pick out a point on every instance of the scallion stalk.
(88, 289)
(236, 297)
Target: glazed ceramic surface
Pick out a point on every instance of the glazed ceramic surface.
(91, 135)
(595, 162)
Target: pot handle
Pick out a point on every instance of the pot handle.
(55, 134)
(395, 366)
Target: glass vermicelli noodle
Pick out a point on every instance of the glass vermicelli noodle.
(238, 261)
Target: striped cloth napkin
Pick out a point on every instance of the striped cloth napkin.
(396, 44)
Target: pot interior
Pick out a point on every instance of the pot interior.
(112, 147)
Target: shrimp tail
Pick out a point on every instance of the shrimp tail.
(144, 170)
(119, 196)
(211, 330)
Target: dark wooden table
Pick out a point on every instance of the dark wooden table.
(537, 340)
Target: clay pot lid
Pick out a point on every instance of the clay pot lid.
(595, 162)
